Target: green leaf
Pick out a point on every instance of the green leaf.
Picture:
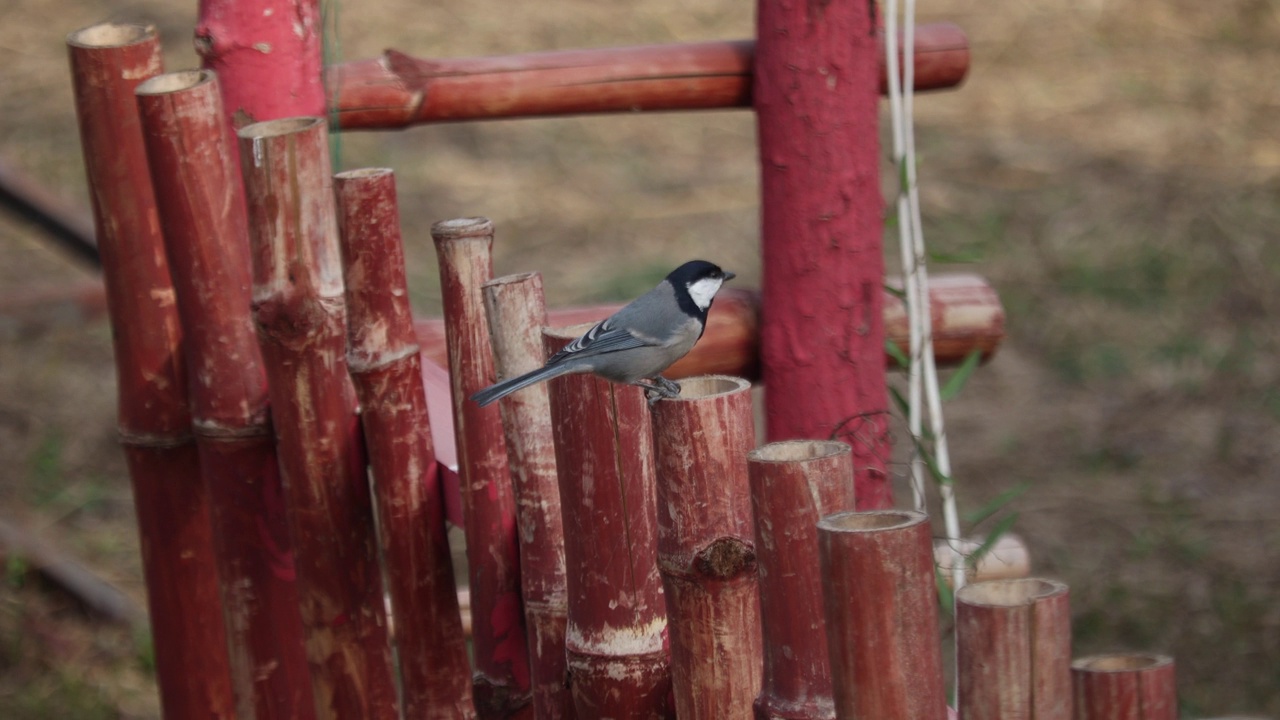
(946, 596)
(897, 292)
(896, 353)
(957, 380)
(900, 401)
(931, 463)
(996, 504)
(1002, 527)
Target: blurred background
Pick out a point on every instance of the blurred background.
(1112, 168)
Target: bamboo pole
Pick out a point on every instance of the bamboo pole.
(968, 318)
(71, 226)
(1124, 686)
(202, 214)
(517, 312)
(502, 689)
(1013, 648)
(793, 485)
(108, 61)
(298, 308)
(815, 96)
(397, 90)
(383, 357)
(706, 546)
(616, 638)
(882, 615)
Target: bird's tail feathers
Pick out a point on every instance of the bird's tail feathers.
(497, 391)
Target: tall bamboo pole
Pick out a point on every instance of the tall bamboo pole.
(1124, 686)
(815, 95)
(301, 320)
(397, 90)
(882, 615)
(108, 62)
(793, 485)
(1013, 648)
(206, 234)
(463, 247)
(706, 546)
(385, 365)
(517, 312)
(616, 638)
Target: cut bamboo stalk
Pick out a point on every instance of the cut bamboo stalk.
(108, 61)
(384, 361)
(1013, 649)
(616, 637)
(1124, 686)
(301, 321)
(793, 485)
(968, 318)
(706, 546)
(882, 615)
(501, 690)
(517, 312)
(397, 90)
(1008, 559)
(202, 214)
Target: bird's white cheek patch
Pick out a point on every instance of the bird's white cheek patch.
(704, 291)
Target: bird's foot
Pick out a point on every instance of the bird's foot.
(660, 388)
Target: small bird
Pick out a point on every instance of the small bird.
(639, 341)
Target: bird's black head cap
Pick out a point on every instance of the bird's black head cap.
(689, 273)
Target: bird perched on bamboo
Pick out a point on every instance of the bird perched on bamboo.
(634, 345)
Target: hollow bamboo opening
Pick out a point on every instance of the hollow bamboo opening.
(1121, 662)
(276, 128)
(792, 451)
(175, 82)
(870, 521)
(706, 386)
(514, 279)
(111, 35)
(359, 173)
(1010, 593)
(461, 228)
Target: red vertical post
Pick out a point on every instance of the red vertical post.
(1013, 650)
(268, 54)
(1124, 687)
(706, 546)
(206, 234)
(301, 319)
(464, 248)
(108, 62)
(882, 615)
(794, 484)
(382, 353)
(822, 335)
(616, 639)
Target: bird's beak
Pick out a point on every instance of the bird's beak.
(729, 276)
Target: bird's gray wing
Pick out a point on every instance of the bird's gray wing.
(605, 337)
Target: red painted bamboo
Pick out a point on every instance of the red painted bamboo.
(203, 217)
(268, 54)
(793, 485)
(502, 690)
(706, 546)
(301, 321)
(517, 312)
(882, 615)
(397, 90)
(967, 318)
(815, 99)
(1124, 687)
(616, 639)
(385, 365)
(1013, 648)
(108, 62)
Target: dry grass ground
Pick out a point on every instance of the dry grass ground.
(1113, 168)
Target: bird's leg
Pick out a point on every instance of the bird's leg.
(659, 388)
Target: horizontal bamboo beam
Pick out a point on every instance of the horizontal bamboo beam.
(967, 317)
(397, 90)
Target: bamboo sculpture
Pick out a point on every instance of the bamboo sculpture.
(383, 357)
(202, 213)
(108, 62)
(298, 306)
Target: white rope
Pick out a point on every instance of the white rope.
(922, 369)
